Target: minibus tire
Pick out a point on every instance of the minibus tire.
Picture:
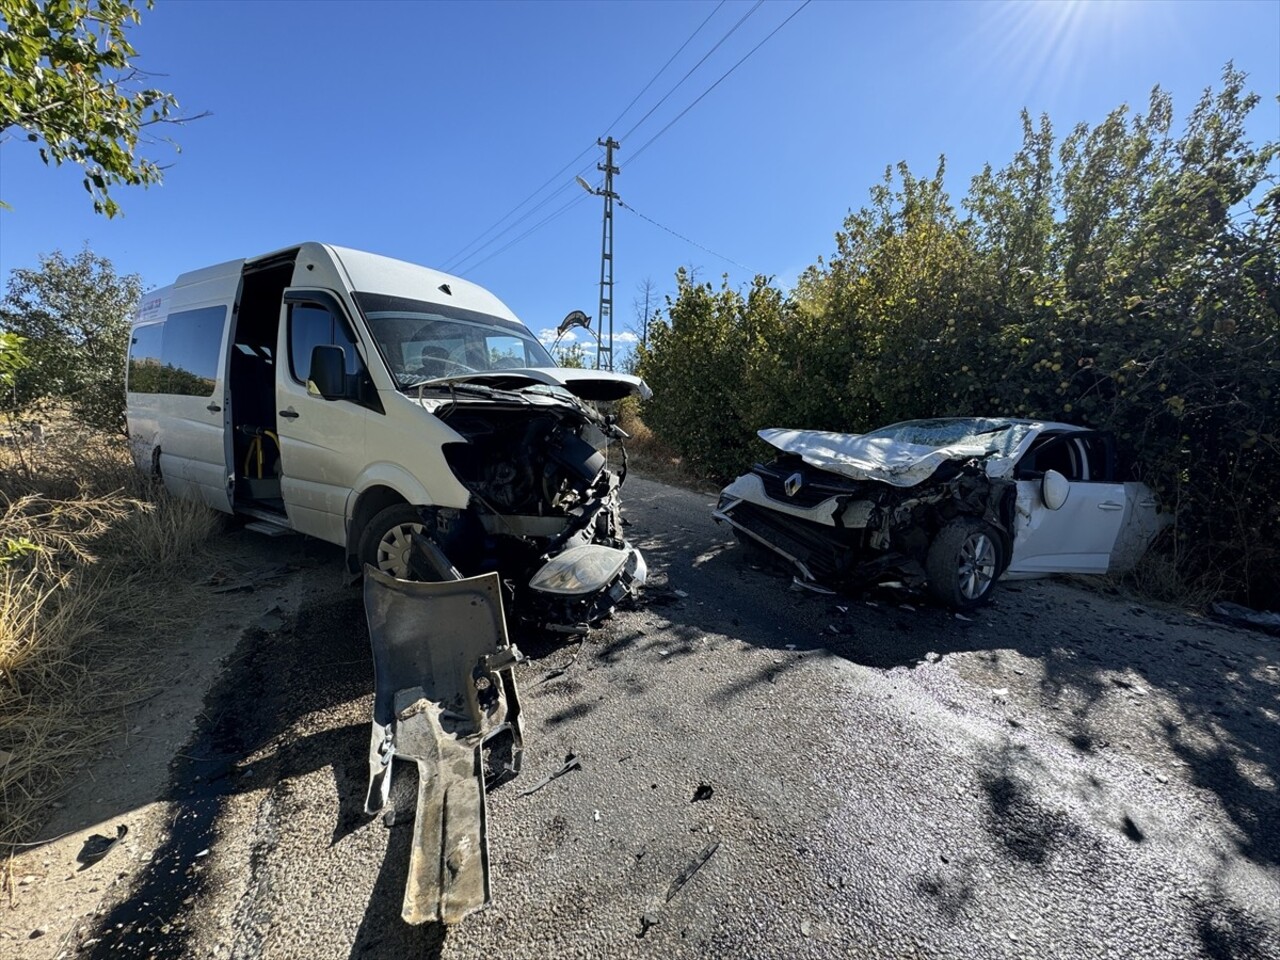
(371, 546)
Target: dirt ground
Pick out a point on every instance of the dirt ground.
(1062, 774)
(46, 891)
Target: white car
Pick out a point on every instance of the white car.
(950, 504)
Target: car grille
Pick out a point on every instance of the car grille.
(818, 547)
(815, 486)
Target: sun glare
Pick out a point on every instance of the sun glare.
(1042, 43)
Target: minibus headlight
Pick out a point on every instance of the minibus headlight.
(580, 570)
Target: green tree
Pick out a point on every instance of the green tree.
(68, 79)
(694, 362)
(74, 314)
(12, 358)
(1126, 277)
(571, 356)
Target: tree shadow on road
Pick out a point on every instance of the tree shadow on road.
(1087, 664)
(382, 932)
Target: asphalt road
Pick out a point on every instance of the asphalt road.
(1064, 775)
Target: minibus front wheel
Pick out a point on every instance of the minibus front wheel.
(387, 540)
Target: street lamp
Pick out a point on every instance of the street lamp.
(575, 318)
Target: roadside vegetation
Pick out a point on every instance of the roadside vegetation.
(95, 562)
(1125, 277)
(648, 455)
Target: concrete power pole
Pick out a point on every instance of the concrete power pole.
(604, 355)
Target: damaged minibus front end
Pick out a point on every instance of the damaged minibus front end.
(544, 469)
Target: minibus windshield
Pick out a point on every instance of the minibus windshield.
(422, 341)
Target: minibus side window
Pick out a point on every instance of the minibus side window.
(146, 370)
(192, 350)
(310, 326)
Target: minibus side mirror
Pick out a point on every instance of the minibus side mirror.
(328, 376)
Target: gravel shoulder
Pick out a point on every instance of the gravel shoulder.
(1064, 774)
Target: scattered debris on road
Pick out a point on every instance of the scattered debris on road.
(222, 583)
(571, 762)
(97, 846)
(1240, 616)
(561, 671)
(704, 792)
(696, 864)
(647, 920)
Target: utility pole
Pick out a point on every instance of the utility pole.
(604, 355)
(648, 289)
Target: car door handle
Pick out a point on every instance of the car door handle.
(1110, 505)
(291, 413)
(213, 408)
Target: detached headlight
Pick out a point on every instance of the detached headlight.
(586, 568)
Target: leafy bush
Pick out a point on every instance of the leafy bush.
(73, 316)
(1125, 278)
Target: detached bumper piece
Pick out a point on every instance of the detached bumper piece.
(444, 697)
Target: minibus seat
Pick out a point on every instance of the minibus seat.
(434, 362)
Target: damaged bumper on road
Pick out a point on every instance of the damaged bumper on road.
(444, 697)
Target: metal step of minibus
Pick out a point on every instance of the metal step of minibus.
(265, 522)
(268, 529)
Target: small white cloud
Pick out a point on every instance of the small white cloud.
(548, 336)
(626, 336)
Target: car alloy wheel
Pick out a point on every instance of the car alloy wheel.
(977, 562)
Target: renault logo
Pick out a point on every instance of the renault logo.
(793, 484)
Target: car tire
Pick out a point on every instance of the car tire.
(964, 561)
(384, 542)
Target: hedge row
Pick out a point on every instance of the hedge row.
(1123, 277)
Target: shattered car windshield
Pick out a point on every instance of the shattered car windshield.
(996, 436)
(423, 341)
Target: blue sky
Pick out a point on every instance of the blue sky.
(409, 128)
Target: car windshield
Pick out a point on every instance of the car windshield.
(993, 436)
(423, 341)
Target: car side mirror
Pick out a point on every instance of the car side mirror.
(1054, 489)
(328, 377)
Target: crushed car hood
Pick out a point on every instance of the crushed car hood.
(860, 457)
(584, 384)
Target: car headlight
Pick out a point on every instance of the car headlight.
(582, 569)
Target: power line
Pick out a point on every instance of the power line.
(541, 223)
(458, 264)
(456, 261)
(627, 206)
(566, 207)
(648, 142)
(487, 230)
(662, 69)
(693, 68)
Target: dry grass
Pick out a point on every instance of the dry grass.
(91, 560)
(651, 458)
